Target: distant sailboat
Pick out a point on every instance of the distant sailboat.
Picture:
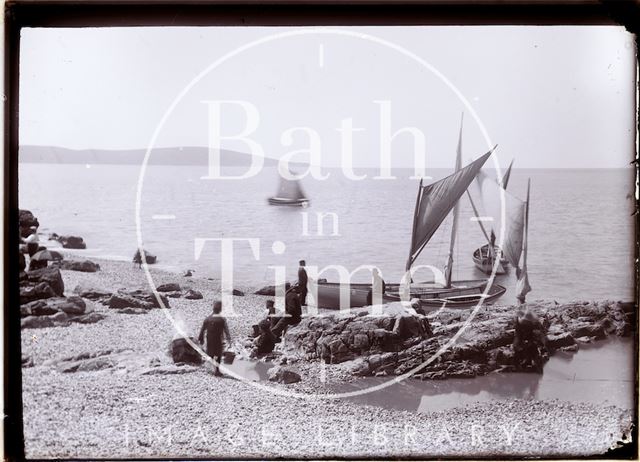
(433, 204)
(289, 193)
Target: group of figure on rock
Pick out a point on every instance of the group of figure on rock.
(269, 330)
(267, 333)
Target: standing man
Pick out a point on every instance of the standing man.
(215, 327)
(302, 283)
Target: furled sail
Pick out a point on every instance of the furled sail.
(436, 200)
(290, 189)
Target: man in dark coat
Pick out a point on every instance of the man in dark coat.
(215, 327)
(303, 279)
(293, 312)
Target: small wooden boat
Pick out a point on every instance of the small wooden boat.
(462, 294)
(484, 260)
(289, 194)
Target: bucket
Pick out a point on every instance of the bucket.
(228, 357)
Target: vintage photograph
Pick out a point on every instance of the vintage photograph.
(327, 242)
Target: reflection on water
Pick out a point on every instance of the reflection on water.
(601, 372)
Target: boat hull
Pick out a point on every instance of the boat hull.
(288, 202)
(484, 261)
(462, 294)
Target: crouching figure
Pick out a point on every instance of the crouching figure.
(529, 343)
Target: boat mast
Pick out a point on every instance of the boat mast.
(415, 222)
(456, 212)
(477, 214)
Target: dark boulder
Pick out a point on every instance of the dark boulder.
(133, 311)
(86, 266)
(39, 291)
(70, 242)
(237, 292)
(559, 340)
(122, 300)
(73, 305)
(588, 329)
(193, 295)
(136, 299)
(60, 318)
(89, 318)
(182, 352)
(170, 287)
(38, 308)
(51, 276)
(91, 293)
(36, 322)
(267, 290)
(70, 305)
(283, 375)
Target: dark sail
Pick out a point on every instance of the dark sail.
(505, 177)
(436, 200)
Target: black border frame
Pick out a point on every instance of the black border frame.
(105, 13)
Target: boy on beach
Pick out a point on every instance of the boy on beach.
(215, 327)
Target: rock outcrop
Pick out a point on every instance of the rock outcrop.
(371, 345)
(49, 276)
(86, 266)
(282, 374)
(267, 290)
(119, 360)
(57, 311)
(92, 293)
(169, 287)
(139, 298)
(191, 294)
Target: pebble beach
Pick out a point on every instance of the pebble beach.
(127, 412)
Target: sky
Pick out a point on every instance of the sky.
(550, 97)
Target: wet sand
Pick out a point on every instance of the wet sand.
(123, 413)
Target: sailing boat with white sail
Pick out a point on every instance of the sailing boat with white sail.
(289, 193)
(433, 204)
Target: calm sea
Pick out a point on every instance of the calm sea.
(581, 230)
